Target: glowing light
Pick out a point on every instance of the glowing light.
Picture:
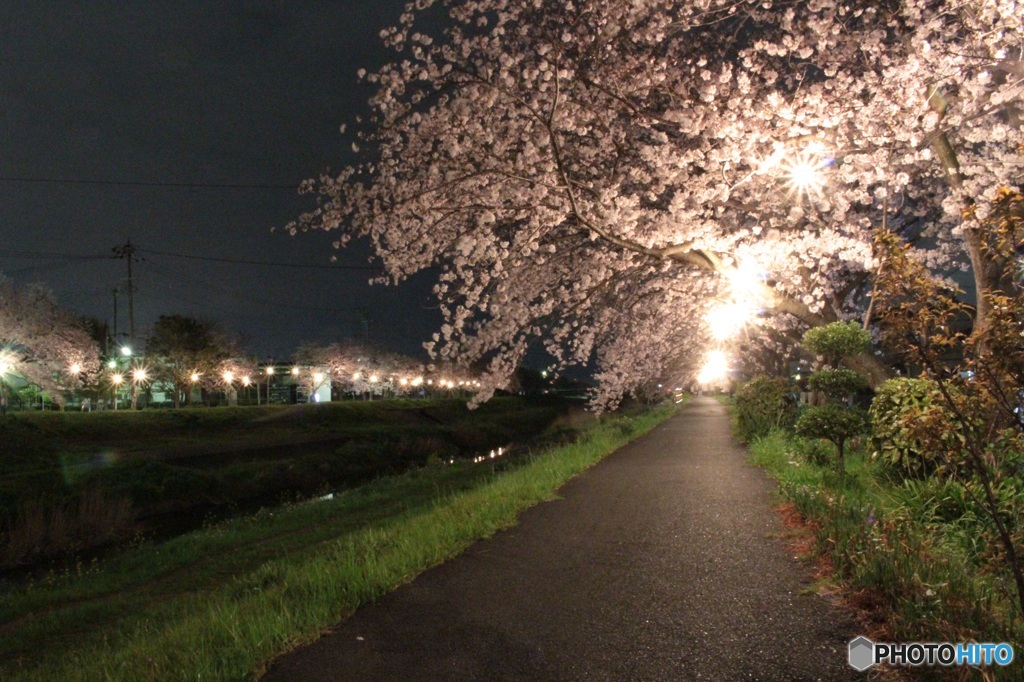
(270, 371)
(747, 294)
(76, 368)
(727, 319)
(716, 367)
(5, 366)
(117, 379)
(373, 378)
(805, 171)
(126, 351)
(318, 377)
(418, 381)
(194, 377)
(295, 371)
(430, 382)
(404, 381)
(139, 375)
(355, 377)
(112, 364)
(229, 376)
(246, 381)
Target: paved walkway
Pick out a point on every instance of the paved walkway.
(663, 562)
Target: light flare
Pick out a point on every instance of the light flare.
(727, 319)
(805, 173)
(716, 368)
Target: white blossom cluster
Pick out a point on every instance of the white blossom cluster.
(584, 172)
(42, 343)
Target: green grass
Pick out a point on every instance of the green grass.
(187, 463)
(219, 604)
(913, 547)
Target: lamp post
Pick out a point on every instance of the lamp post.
(5, 367)
(117, 379)
(139, 376)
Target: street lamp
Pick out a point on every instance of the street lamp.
(116, 379)
(139, 376)
(270, 375)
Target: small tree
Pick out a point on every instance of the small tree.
(181, 347)
(837, 420)
(974, 424)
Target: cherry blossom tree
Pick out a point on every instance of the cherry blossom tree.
(42, 343)
(598, 176)
(358, 368)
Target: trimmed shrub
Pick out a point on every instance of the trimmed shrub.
(764, 404)
(837, 340)
(835, 421)
(896, 403)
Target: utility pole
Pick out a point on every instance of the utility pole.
(114, 291)
(126, 252)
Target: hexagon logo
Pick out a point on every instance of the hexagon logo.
(862, 654)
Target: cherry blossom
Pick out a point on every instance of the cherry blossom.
(42, 343)
(588, 174)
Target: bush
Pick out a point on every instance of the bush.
(836, 382)
(764, 404)
(833, 422)
(813, 451)
(897, 401)
(837, 340)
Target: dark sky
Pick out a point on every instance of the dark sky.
(196, 93)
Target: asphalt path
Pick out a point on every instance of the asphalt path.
(663, 562)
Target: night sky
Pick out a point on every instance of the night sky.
(185, 127)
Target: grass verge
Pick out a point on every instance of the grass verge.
(908, 554)
(221, 603)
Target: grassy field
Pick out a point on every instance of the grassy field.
(908, 553)
(72, 481)
(220, 603)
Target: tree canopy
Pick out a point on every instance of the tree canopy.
(596, 176)
(186, 351)
(42, 343)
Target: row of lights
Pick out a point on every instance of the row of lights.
(140, 375)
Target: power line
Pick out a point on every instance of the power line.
(144, 183)
(50, 255)
(307, 266)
